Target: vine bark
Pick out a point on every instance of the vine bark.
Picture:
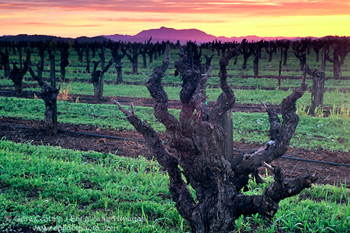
(197, 138)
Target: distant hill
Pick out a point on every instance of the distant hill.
(173, 35)
(92, 39)
(184, 35)
(165, 34)
(25, 37)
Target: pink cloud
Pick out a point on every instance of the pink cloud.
(248, 8)
(48, 24)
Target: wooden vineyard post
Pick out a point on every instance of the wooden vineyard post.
(227, 124)
(280, 71)
(53, 86)
(52, 71)
(318, 80)
(103, 63)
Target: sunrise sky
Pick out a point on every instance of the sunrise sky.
(73, 18)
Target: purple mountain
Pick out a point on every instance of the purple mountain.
(183, 35)
(164, 34)
(173, 35)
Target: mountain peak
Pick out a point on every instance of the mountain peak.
(173, 35)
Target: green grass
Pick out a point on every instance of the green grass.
(43, 187)
(236, 80)
(104, 116)
(321, 208)
(75, 70)
(50, 188)
(331, 99)
(312, 132)
(334, 98)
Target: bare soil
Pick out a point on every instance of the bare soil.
(31, 131)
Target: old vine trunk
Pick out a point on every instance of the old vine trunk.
(197, 137)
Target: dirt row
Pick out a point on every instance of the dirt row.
(31, 131)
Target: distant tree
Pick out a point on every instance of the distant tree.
(87, 58)
(218, 46)
(279, 44)
(224, 47)
(42, 47)
(51, 48)
(118, 53)
(93, 48)
(64, 52)
(17, 74)
(79, 48)
(256, 51)
(133, 52)
(143, 52)
(208, 60)
(246, 50)
(235, 44)
(150, 51)
(341, 47)
(14, 48)
(156, 48)
(49, 95)
(317, 45)
(5, 62)
(284, 46)
(301, 48)
(19, 49)
(161, 48)
(271, 48)
(96, 79)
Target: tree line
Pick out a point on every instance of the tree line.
(93, 54)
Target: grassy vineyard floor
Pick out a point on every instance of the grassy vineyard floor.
(31, 131)
(53, 189)
(76, 71)
(332, 98)
(49, 189)
(312, 132)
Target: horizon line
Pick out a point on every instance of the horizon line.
(105, 35)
